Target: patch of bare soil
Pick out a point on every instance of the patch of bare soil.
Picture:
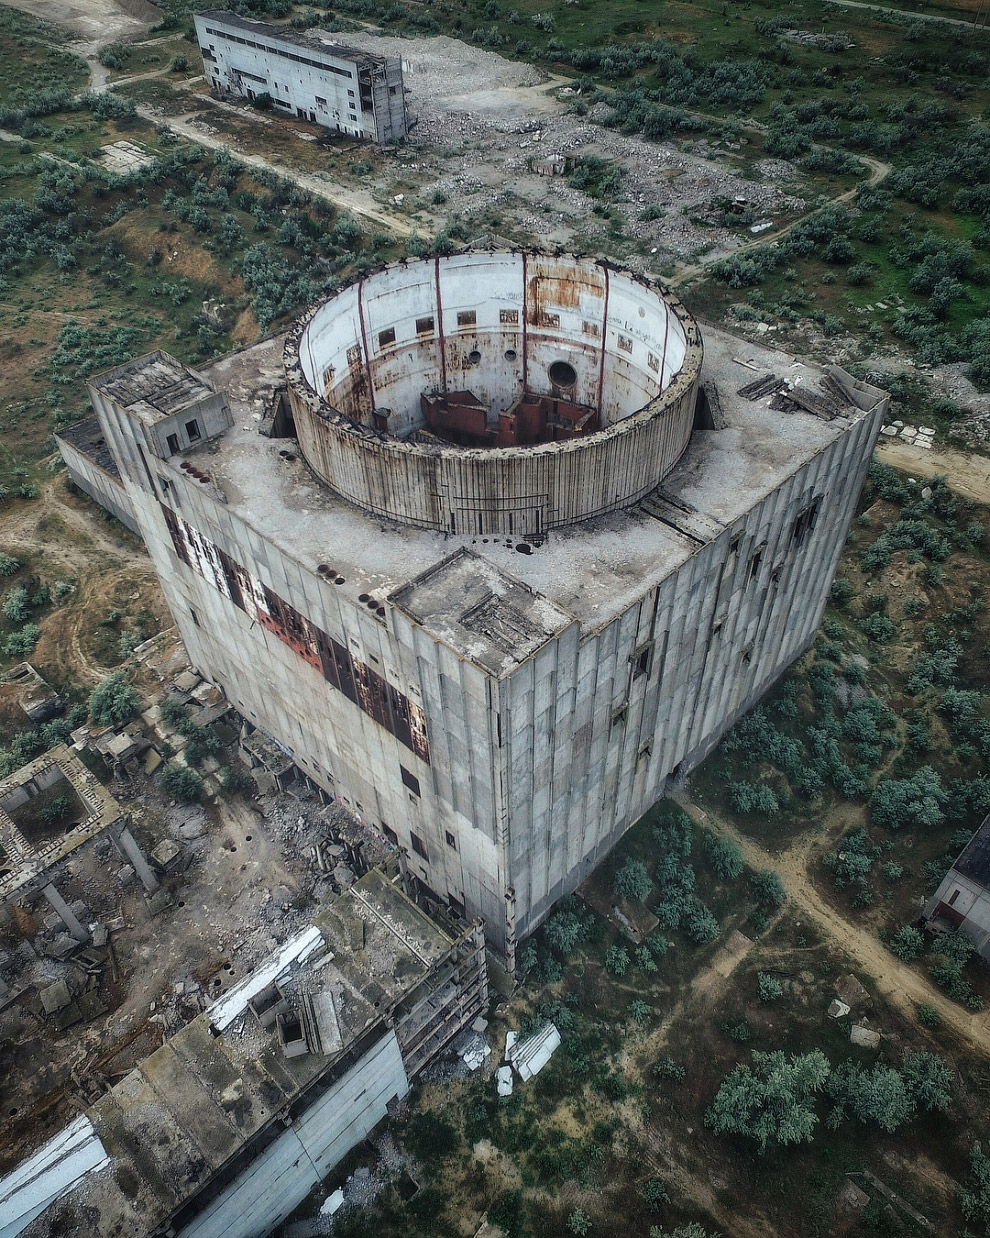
(103, 21)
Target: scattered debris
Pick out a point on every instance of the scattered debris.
(838, 1009)
(530, 1056)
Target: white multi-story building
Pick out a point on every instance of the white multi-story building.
(512, 552)
(349, 91)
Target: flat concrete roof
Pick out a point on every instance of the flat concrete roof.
(88, 439)
(186, 1112)
(294, 38)
(592, 571)
(153, 387)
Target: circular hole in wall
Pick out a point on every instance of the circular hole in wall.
(524, 548)
(13, 1112)
(510, 354)
(474, 356)
(362, 597)
(562, 374)
(339, 580)
(247, 838)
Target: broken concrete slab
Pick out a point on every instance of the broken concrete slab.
(837, 1009)
(503, 1080)
(55, 997)
(864, 1036)
(849, 990)
(851, 1197)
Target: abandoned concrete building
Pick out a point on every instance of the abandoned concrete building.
(306, 76)
(962, 901)
(495, 548)
(226, 1128)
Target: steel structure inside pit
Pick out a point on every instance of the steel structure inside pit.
(494, 393)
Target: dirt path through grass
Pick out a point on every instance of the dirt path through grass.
(900, 984)
(967, 473)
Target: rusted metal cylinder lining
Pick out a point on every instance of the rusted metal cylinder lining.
(496, 325)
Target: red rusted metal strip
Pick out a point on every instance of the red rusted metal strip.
(364, 343)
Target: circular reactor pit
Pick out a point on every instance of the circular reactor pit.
(505, 393)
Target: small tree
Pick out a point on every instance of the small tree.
(770, 987)
(579, 1222)
(114, 701)
(772, 1101)
(181, 783)
(928, 1079)
(16, 604)
(974, 1197)
(617, 960)
(8, 564)
(878, 1095)
(632, 880)
(724, 856)
(768, 888)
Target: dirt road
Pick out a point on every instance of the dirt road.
(967, 473)
(878, 172)
(901, 985)
(883, 8)
(98, 21)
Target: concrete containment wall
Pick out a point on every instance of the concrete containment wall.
(497, 325)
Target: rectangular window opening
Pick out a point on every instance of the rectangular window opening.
(409, 780)
(390, 834)
(451, 840)
(953, 896)
(173, 444)
(754, 563)
(467, 318)
(641, 660)
(619, 715)
(424, 326)
(804, 523)
(386, 337)
(456, 906)
(192, 429)
(419, 847)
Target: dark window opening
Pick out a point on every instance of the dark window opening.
(717, 629)
(192, 429)
(646, 750)
(451, 840)
(386, 337)
(456, 906)
(419, 847)
(804, 523)
(466, 318)
(619, 715)
(390, 834)
(409, 780)
(641, 660)
(562, 374)
(953, 896)
(754, 563)
(195, 617)
(747, 656)
(424, 325)
(173, 444)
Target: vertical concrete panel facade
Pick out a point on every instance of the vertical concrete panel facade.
(504, 716)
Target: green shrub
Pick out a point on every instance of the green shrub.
(770, 987)
(16, 605)
(114, 701)
(632, 881)
(181, 783)
(617, 960)
(724, 856)
(907, 944)
(8, 564)
(768, 888)
(928, 1016)
(20, 644)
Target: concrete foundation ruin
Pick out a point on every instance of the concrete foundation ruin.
(501, 655)
(228, 1126)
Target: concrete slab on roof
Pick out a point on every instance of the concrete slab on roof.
(294, 38)
(153, 387)
(88, 439)
(594, 570)
(472, 605)
(191, 1107)
(975, 859)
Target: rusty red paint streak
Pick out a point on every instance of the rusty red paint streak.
(525, 316)
(601, 362)
(361, 685)
(440, 336)
(364, 345)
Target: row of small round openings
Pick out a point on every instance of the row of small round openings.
(562, 374)
(330, 573)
